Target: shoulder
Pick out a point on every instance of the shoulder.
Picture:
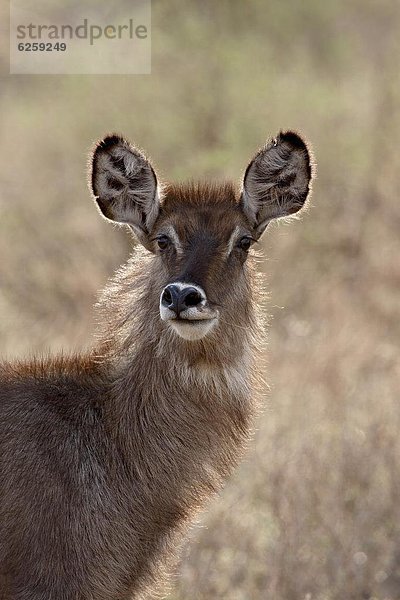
(63, 386)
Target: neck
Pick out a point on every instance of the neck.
(179, 412)
(174, 398)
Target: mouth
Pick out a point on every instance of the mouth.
(193, 329)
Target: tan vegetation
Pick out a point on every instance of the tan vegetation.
(314, 512)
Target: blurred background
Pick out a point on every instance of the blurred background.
(314, 511)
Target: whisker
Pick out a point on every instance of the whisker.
(233, 324)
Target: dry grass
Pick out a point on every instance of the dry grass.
(313, 513)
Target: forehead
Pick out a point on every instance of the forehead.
(196, 208)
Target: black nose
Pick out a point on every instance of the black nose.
(179, 299)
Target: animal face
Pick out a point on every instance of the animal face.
(202, 239)
(200, 235)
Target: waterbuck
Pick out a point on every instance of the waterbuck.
(105, 458)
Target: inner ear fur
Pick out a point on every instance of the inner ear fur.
(277, 181)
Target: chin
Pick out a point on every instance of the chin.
(192, 330)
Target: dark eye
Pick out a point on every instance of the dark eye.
(163, 242)
(245, 243)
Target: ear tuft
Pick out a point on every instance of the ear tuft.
(110, 140)
(124, 184)
(293, 138)
(277, 181)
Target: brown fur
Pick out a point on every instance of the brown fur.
(106, 458)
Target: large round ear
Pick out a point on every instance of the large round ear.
(124, 185)
(277, 181)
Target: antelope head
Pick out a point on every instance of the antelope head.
(200, 235)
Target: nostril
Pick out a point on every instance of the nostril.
(193, 298)
(166, 297)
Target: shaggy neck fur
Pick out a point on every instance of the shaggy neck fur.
(179, 412)
(163, 382)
